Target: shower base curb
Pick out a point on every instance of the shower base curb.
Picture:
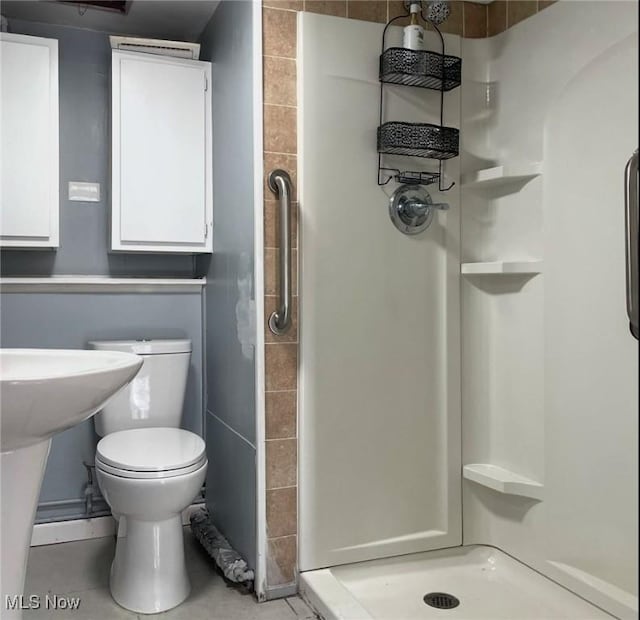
(478, 575)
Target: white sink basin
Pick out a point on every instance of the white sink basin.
(43, 392)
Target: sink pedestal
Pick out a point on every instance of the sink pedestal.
(22, 471)
(42, 392)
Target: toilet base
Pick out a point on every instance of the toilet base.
(149, 573)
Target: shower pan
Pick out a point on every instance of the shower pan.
(468, 582)
(468, 411)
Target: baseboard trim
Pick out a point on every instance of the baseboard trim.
(284, 591)
(85, 529)
(74, 529)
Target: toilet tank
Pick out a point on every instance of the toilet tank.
(155, 397)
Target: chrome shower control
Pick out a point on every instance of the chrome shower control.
(411, 209)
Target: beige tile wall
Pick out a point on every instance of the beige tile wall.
(280, 151)
(281, 352)
(503, 14)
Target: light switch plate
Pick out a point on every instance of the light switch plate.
(84, 192)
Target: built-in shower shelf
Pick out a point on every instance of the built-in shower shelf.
(502, 268)
(503, 480)
(501, 175)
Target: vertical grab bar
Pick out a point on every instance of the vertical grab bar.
(280, 185)
(631, 240)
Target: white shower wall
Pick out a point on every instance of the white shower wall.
(549, 377)
(395, 344)
(379, 317)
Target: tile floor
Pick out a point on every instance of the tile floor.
(81, 569)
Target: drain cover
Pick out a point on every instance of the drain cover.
(441, 600)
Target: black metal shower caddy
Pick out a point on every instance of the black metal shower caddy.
(420, 69)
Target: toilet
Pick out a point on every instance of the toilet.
(149, 470)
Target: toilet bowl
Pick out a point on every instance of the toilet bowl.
(149, 476)
(149, 470)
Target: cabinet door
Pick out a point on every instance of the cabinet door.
(28, 141)
(161, 162)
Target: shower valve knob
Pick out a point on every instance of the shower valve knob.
(411, 209)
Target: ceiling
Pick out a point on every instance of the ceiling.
(181, 20)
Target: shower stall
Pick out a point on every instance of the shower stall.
(468, 396)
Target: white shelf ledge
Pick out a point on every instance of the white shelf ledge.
(101, 284)
(503, 480)
(501, 175)
(502, 267)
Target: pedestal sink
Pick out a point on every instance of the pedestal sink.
(43, 392)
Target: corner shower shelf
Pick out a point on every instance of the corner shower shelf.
(503, 480)
(501, 175)
(418, 140)
(422, 69)
(502, 267)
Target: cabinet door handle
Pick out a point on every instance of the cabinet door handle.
(280, 185)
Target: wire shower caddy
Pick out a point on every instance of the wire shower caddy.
(419, 69)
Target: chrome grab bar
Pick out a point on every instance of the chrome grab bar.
(280, 185)
(631, 240)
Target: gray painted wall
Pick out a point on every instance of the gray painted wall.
(66, 320)
(85, 147)
(229, 308)
(61, 320)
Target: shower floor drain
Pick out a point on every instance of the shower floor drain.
(441, 600)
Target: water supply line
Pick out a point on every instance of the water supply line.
(89, 489)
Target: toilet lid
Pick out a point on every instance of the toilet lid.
(151, 449)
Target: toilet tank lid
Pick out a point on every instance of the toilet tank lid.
(143, 347)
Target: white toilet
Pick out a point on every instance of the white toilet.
(149, 471)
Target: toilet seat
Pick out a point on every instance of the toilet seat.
(150, 453)
(155, 475)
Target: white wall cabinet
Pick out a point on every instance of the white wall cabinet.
(29, 156)
(161, 154)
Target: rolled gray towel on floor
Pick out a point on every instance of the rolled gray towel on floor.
(229, 561)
